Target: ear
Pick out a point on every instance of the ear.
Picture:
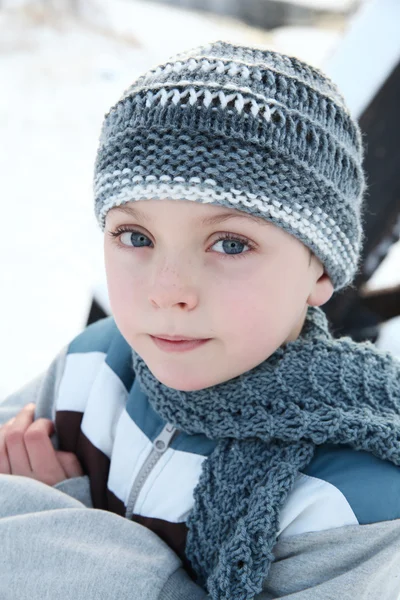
(321, 292)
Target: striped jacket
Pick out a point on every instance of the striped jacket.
(142, 468)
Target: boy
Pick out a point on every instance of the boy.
(251, 454)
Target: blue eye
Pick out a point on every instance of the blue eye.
(232, 244)
(137, 239)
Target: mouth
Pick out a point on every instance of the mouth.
(180, 345)
(177, 338)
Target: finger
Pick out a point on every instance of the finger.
(14, 441)
(4, 461)
(45, 465)
(70, 463)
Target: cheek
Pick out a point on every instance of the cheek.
(238, 304)
(247, 325)
(122, 285)
(260, 310)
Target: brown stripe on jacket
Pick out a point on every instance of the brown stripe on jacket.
(96, 465)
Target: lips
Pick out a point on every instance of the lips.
(177, 338)
(178, 345)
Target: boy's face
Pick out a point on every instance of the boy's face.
(170, 274)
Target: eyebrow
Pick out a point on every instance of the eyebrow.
(205, 221)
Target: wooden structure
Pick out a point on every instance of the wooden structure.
(366, 67)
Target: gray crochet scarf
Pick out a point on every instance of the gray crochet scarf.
(268, 422)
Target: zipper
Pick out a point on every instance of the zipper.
(160, 445)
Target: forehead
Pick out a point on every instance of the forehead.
(200, 214)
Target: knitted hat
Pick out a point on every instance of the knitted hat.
(241, 127)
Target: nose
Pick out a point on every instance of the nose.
(173, 285)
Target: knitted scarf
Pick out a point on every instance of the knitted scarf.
(268, 421)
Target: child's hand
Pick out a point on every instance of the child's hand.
(26, 449)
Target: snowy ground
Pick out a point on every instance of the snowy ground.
(58, 79)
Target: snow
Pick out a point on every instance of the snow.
(312, 44)
(377, 20)
(328, 5)
(59, 75)
(389, 337)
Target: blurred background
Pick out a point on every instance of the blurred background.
(63, 63)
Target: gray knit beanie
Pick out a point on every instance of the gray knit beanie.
(241, 127)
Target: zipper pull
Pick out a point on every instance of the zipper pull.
(163, 440)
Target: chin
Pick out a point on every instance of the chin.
(182, 385)
(179, 381)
